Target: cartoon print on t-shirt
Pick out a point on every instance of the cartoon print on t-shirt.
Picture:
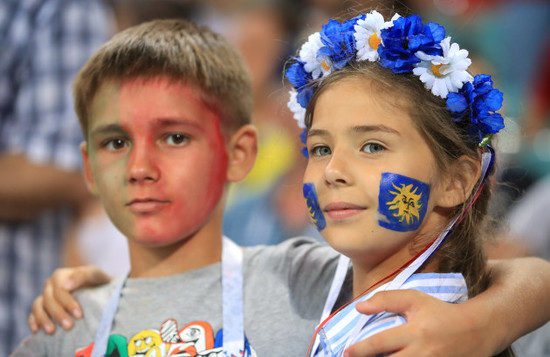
(193, 339)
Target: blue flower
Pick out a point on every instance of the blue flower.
(407, 36)
(339, 42)
(300, 79)
(477, 103)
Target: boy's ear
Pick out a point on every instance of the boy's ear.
(459, 182)
(242, 150)
(88, 177)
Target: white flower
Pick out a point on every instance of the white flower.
(444, 74)
(295, 107)
(367, 36)
(313, 63)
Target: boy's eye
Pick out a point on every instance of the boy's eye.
(320, 150)
(372, 148)
(176, 139)
(115, 144)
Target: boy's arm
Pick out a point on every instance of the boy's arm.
(56, 301)
(515, 304)
(481, 326)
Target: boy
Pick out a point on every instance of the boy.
(164, 107)
(165, 111)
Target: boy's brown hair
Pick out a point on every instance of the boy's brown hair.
(176, 49)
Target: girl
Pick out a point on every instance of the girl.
(397, 135)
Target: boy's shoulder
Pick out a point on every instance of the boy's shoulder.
(294, 252)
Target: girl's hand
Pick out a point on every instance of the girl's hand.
(56, 301)
(433, 328)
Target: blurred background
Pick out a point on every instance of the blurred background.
(509, 39)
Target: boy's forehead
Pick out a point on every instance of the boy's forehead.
(166, 95)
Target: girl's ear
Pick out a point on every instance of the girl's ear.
(88, 176)
(459, 182)
(242, 150)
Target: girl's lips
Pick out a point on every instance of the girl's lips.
(342, 210)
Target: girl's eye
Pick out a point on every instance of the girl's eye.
(176, 139)
(115, 144)
(372, 148)
(320, 150)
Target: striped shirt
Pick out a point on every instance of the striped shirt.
(349, 326)
(43, 45)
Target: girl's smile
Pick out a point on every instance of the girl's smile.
(341, 211)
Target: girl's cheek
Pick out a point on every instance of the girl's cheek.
(402, 202)
(312, 202)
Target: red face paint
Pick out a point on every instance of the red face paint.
(158, 159)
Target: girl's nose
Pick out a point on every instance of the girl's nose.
(336, 172)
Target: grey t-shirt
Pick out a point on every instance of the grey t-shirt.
(285, 287)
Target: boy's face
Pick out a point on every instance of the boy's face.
(156, 157)
(373, 173)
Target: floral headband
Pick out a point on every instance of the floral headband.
(403, 44)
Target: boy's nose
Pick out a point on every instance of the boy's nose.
(336, 173)
(142, 166)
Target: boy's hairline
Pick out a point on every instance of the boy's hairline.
(228, 125)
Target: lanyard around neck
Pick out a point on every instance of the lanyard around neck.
(336, 286)
(232, 294)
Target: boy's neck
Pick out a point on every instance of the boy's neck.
(201, 249)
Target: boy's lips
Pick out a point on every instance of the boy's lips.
(342, 210)
(146, 205)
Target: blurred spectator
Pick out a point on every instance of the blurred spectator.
(44, 43)
(93, 239)
(267, 207)
(273, 216)
(528, 234)
(528, 231)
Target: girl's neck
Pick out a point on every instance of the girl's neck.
(367, 277)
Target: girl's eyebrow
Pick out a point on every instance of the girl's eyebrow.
(356, 129)
(374, 128)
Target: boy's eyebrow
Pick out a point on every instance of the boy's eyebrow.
(356, 129)
(115, 128)
(110, 128)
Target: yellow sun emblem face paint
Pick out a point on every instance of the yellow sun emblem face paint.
(402, 202)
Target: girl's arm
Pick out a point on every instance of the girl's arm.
(515, 304)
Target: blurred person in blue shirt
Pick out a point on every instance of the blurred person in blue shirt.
(44, 43)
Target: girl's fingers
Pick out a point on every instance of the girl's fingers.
(56, 304)
(39, 318)
(401, 302)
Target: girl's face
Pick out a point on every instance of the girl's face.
(372, 174)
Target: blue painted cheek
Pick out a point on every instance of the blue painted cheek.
(310, 195)
(402, 202)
